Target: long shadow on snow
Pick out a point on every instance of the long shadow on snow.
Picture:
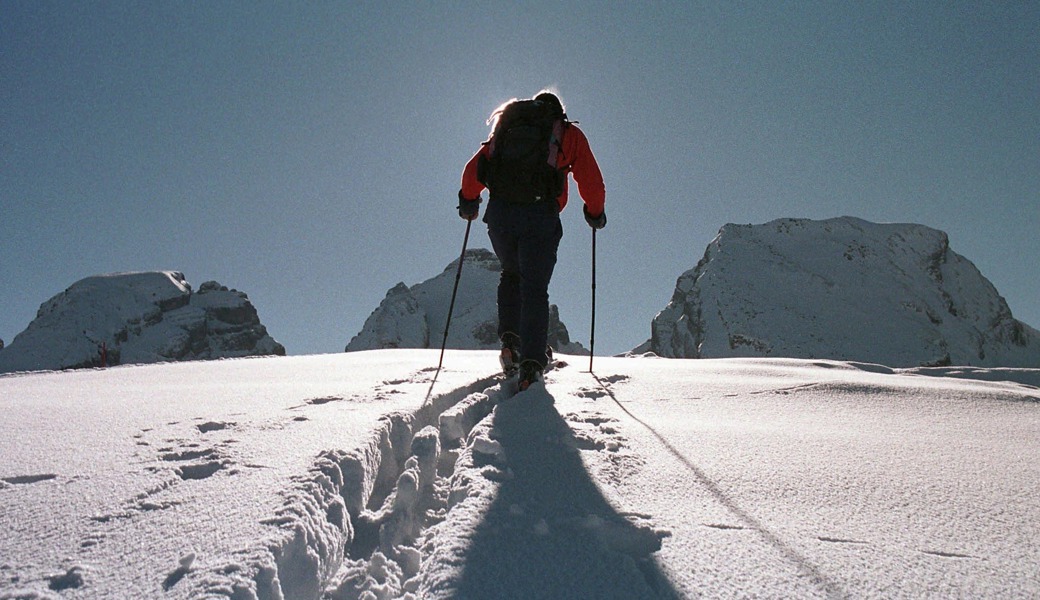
(550, 533)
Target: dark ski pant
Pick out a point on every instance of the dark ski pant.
(525, 238)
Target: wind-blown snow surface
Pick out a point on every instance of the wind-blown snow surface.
(843, 289)
(350, 475)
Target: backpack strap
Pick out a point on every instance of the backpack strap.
(555, 142)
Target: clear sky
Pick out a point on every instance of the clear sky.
(309, 154)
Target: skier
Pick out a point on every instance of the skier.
(524, 166)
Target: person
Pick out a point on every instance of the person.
(525, 233)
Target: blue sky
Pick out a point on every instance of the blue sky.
(310, 153)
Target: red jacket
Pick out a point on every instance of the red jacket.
(575, 158)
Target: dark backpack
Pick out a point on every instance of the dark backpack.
(521, 166)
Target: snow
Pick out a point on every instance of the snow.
(414, 317)
(840, 288)
(140, 317)
(370, 475)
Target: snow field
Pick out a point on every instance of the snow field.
(121, 474)
(823, 479)
(360, 475)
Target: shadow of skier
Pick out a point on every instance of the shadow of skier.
(550, 533)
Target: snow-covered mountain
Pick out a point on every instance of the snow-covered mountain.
(142, 317)
(414, 317)
(844, 289)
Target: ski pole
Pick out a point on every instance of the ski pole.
(451, 307)
(592, 330)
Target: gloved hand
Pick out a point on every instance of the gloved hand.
(597, 222)
(468, 209)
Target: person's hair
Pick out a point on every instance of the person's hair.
(550, 98)
(495, 114)
(546, 96)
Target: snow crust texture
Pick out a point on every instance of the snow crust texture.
(139, 318)
(842, 289)
(414, 317)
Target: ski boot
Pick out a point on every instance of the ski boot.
(530, 373)
(509, 357)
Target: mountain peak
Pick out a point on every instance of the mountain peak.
(414, 317)
(840, 288)
(138, 317)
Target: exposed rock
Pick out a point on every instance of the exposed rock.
(138, 318)
(414, 317)
(842, 289)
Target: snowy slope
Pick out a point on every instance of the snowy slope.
(142, 317)
(358, 475)
(844, 289)
(414, 317)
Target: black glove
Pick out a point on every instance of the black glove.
(598, 222)
(468, 209)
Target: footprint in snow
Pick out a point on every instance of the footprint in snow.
(177, 574)
(69, 580)
(323, 400)
(199, 471)
(186, 455)
(92, 540)
(592, 431)
(834, 540)
(725, 527)
(592, 393)
(213, 426)
(28, 479)
(944, 554)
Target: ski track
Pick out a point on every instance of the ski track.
(362, 523)
(327, 514)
